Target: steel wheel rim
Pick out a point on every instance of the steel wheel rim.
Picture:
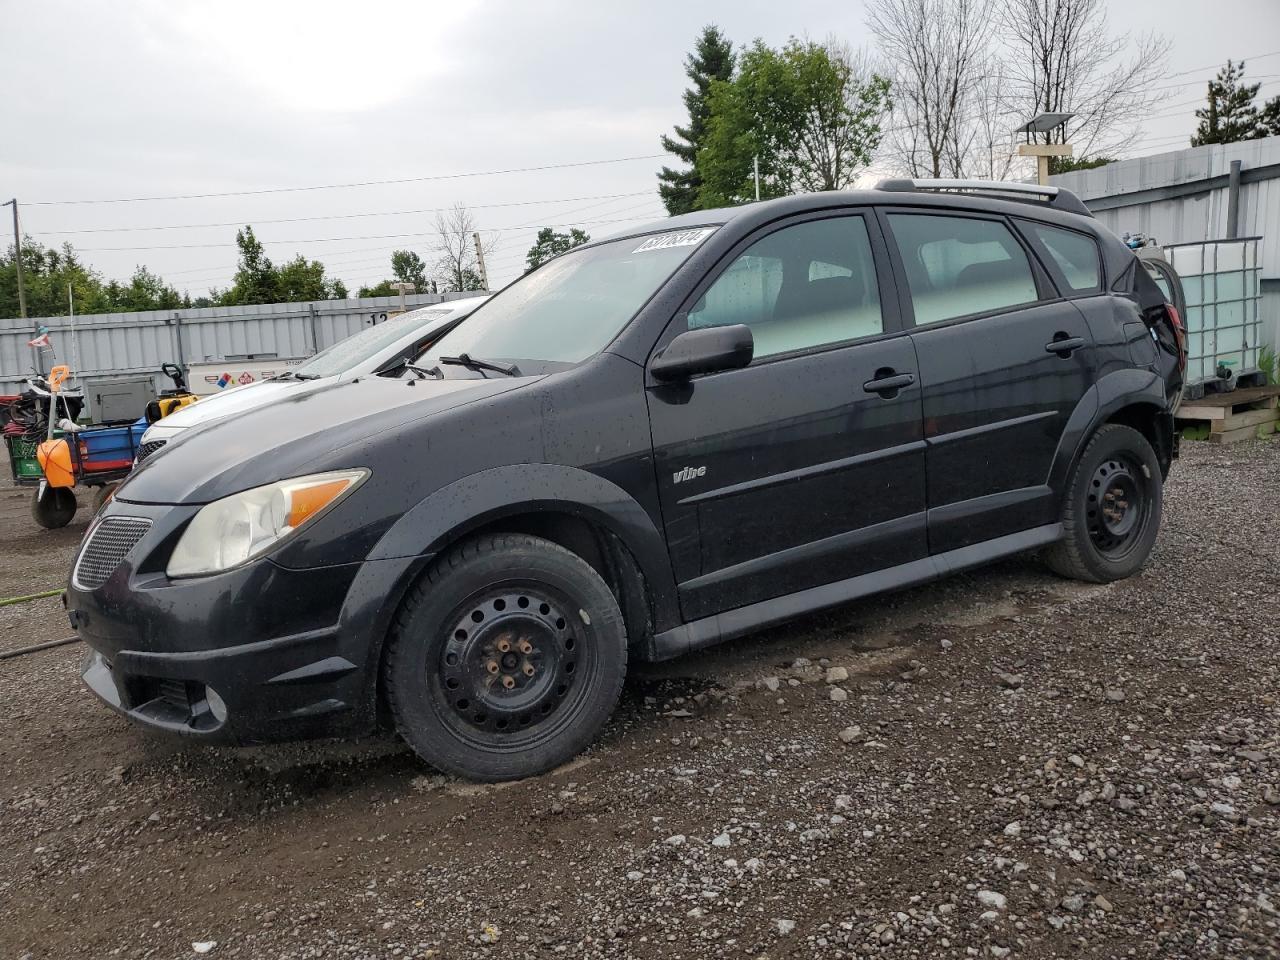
(514, 667)
(1117, 505)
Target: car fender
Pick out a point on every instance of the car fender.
(1113, 392)
(481, 498)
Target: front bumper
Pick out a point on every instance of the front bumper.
(288, 654)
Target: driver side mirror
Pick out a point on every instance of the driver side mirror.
(704, 351)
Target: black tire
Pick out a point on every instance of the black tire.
(55, 509)
(506, 658)
(1111, 515)
(103, 494)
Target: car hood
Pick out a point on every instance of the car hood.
(302, 432)
(232, 402)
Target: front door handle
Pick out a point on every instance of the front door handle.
(1063, 345)
(888, 382)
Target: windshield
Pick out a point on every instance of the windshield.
(368, 343)
(571, 308)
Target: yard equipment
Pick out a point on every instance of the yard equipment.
(171, 400)
(54, 455)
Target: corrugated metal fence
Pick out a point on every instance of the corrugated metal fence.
(107, 346)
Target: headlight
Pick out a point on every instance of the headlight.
(235, 529)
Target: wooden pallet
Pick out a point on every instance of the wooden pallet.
(1227, 417)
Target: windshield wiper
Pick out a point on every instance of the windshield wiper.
(472, 363)
(306, 376)
(423, 372)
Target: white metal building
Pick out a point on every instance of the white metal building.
(1199, 194)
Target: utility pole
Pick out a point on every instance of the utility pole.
(17, 260)
(484, 274)
(405, 287)
(755, 167)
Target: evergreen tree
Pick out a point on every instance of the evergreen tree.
(711, 60)
(549, 244)
(1269, 118)
(1229, 116)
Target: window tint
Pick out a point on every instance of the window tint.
(1075, 254)
(804, 286)
(957, 266)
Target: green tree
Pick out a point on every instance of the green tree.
(1269, 117)
(1068, 164)
(144, 291)
(549, 244)
(301, 279)
(808, 112)
(382, 289)
(258, 280)
(712, 60)
(1230, 115)
(47, 272)
(408, 267)
(255, 279)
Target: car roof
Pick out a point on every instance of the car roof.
(750, 215)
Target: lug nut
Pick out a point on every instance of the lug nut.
(492, 666)
(508, 682)
(504, 645)
(525, 646)
(528, 669)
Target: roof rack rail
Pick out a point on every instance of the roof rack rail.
(1054, 197)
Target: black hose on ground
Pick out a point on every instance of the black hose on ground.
(37, 647)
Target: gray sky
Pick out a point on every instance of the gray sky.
(144, 98)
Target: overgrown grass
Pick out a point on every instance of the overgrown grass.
(1269, 364)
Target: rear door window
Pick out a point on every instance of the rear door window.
(960, 266)
(1074, 255)
(801, 287)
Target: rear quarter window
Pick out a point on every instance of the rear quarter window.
(1072, 257)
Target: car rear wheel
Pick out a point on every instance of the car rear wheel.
(506, 658)
(1111, 516)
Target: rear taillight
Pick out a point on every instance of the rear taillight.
(1179, 334)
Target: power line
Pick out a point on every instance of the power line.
(343, 186)
(1215, 66)
(221, 269)
(1191, 83)
(343, 216)
(376, 236)
(1172, 108)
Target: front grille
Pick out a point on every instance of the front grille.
(110, 542)
(147, 449)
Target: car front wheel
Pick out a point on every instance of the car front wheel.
(1111, 514)
(506, 658)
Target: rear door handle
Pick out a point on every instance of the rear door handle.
(1063, 345)
(888, 383)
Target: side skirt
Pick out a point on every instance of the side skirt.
(766, 613)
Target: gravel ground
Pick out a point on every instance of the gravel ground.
(1003, 765)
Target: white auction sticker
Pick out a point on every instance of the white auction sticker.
(680, 238)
